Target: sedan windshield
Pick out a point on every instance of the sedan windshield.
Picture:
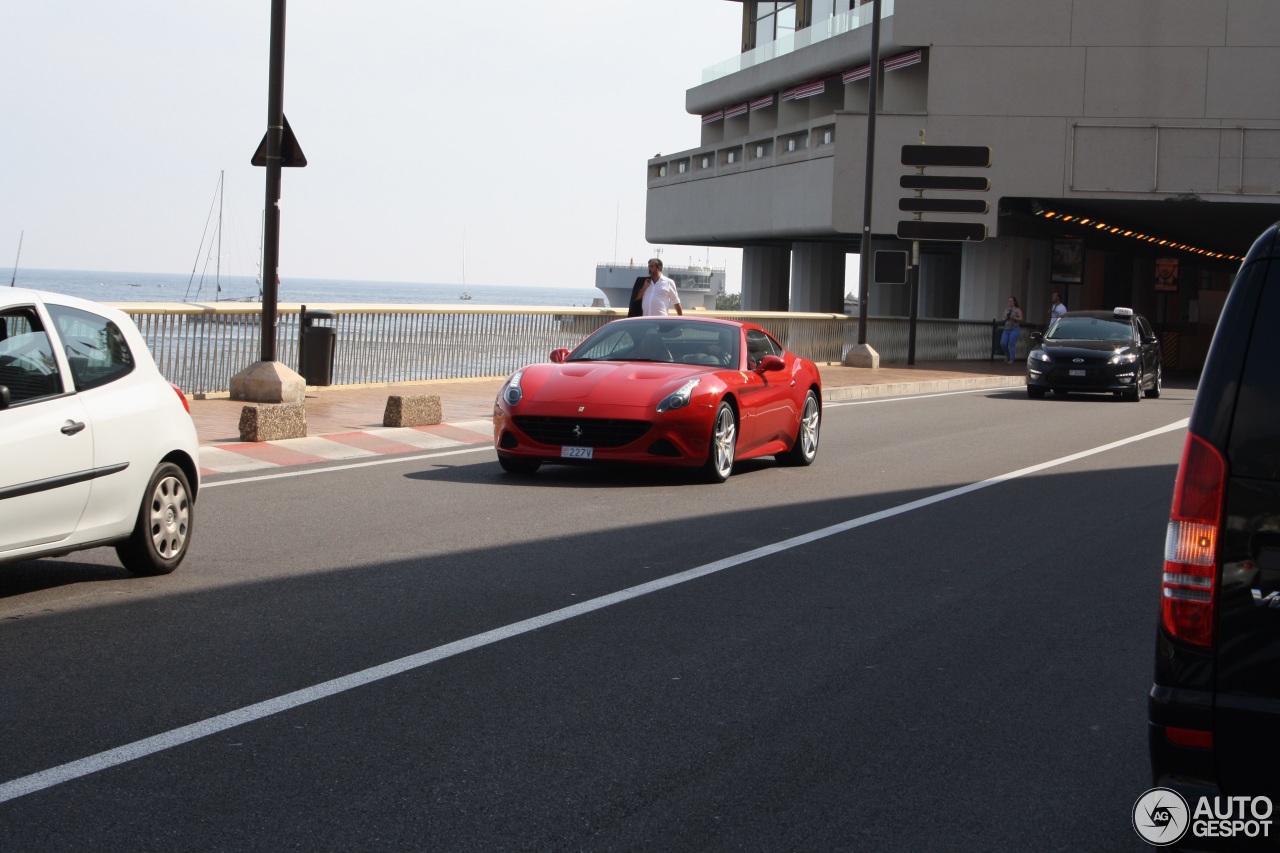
(666, 340)
(1090, 329)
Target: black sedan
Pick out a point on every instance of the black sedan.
(1105, 352)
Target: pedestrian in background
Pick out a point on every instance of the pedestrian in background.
(1057, 309)
(658, 296)
(1012, 326)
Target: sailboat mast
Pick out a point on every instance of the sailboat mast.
(217, 270)
(14, 278)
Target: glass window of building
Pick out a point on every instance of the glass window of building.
(773, 21)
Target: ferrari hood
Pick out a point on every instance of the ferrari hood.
(614, 382)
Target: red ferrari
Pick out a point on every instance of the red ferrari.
(674, 391)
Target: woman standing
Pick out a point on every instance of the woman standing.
(1012, 326)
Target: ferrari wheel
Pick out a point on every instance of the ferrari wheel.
(516, 465)
(724, 438)
(805, 449)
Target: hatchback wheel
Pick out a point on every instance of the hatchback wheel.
(724, 440)
(163, 530)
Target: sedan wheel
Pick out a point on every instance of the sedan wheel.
(724, 439)
(1154, 390)
(805, 449)
(163, 531)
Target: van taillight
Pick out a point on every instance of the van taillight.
(1191, 544)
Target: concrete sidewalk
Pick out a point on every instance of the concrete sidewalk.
(345, 422)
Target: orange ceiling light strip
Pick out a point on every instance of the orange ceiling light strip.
(1112, 229)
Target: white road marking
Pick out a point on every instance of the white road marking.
(871, 400)
(213, 725)
(308, 472)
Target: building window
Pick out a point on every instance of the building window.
(706, 161)
(682, 166)
(772, 21)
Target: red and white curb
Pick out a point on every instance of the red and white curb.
(242, 456)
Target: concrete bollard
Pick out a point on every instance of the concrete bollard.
(272, 421)
(412, 410)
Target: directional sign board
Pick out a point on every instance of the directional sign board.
(942, 205)
(958, 156)
(944, 182)
(963, 232)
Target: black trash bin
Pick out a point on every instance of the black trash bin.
(317, 345)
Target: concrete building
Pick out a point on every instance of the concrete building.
(1135, 153)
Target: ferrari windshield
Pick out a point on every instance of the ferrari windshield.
(1090, 329)
(672, 340)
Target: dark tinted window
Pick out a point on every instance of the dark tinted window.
(95, 347)
(1255, 431)
(27, 366)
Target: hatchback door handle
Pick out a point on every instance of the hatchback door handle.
(72, 427)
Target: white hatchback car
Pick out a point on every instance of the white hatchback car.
(96, 447)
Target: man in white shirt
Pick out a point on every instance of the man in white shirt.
(1057, 309)
(659, 294)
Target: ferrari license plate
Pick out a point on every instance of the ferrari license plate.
(575, 452)
(1075, 373)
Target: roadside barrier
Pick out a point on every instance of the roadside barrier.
(200, 347)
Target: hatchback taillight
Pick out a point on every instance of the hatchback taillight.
(1191, 544)
(181, 396)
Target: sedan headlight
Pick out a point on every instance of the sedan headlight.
(511, 392)
(1124, 358)
(1040, 355)
(679, 399)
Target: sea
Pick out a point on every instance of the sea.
(175, 287)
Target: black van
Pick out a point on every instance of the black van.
(1215, 706)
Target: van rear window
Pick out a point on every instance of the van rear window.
(1255, 433)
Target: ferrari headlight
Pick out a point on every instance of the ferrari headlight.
(1124, 358)
(511, 392)
(680, 398)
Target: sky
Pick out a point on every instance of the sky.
(503, 141)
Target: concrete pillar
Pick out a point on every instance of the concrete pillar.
(991, 272)
(766, 274)
(817, 277)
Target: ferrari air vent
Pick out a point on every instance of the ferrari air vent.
(582, 432)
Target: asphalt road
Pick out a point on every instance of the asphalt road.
(938, 637)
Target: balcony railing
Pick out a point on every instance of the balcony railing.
(199, 349)
(819, 31)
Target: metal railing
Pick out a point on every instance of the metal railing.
(199, 348)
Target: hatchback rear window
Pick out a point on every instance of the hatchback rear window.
(1254, 447)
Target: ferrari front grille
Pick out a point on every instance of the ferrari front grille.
(582, 432)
